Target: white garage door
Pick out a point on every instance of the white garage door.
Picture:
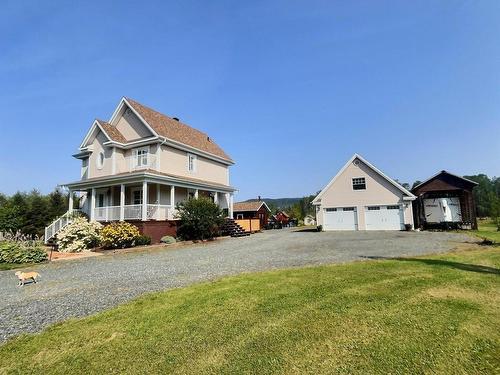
(384, 217)
(343, 218)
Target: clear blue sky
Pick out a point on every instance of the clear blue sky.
(290, 89)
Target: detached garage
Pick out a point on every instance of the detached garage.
(361, 197)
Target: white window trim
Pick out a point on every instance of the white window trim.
(132, 191)
(195, 162)
(352, 184)
(135, 157)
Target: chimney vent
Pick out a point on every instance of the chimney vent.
(175, 118)
(259, 198)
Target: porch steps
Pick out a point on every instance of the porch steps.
(56, 226)
(231, 228)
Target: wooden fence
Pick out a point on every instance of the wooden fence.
(249, 225)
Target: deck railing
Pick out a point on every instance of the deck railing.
(134, 212)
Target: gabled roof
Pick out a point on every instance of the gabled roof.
(177, 131)
(372, 167)
(112, 132)
(441, 173)
(109, 131)
(249, 206)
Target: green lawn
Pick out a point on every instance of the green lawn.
(434, 315)
(487, 229)
(10, 266)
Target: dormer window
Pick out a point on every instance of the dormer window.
(359, 183)
(191, 163)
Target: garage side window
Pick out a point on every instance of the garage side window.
(359, 183)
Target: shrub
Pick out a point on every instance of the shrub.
(142, 240)
(200, 219)
(319, 228)
(19, 252)
(79, 235)
(168, 239)
(119, 235)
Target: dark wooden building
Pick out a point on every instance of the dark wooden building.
(252, 210)
(445, 200)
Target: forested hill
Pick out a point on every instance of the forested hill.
(279, 203)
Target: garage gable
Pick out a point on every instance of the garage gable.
(361, 183)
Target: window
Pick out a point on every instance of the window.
(191, 163)
(100, 160)
(394, 207)
(348, 209)
(137, 196)
(140, 157)
(374, 208)
(100, 200)
(330, 209)
(359, 183)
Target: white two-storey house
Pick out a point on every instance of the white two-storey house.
(138, 165)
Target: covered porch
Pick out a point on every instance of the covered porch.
(146, 200)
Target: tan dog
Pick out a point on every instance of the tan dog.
(23, 276)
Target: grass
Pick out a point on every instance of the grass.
(11, 266)
(487, 229)
(435, 314)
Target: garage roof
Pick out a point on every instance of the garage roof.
(409, 195)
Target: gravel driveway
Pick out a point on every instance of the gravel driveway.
(81, 287)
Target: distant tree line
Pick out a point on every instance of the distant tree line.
(31, 212)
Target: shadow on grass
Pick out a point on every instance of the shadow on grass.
(444, 263)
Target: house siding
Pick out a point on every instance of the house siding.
(131, 127)
(175, 161)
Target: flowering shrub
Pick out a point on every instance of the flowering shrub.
(79, 235)
(21, 252)
(119, 235)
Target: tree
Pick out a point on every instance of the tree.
(416, 183)
(58, 203)
(200, 219)
(483, 194)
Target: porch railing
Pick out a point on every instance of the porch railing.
(59, 223)
(134, 212)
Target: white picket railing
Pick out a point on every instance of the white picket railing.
(133, 212)
(58, 224)
(112, 213)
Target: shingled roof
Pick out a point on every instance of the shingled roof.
(112, 131)
(177, 131)
(248, 206)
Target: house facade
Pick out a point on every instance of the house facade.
(361, 197)
(138, 165)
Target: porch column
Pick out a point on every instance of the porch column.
(158, 197)
(216, 198)
(226, 195)
(92, 205)
(172, 196)
(230, 205)
(70, 202)
(196, 194)
(144, 201)
(122, 202)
